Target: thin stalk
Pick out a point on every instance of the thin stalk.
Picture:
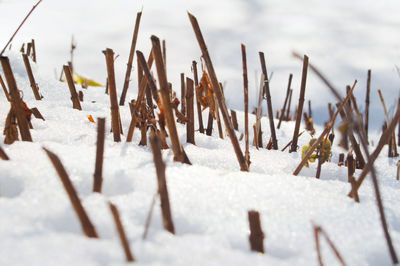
(293, 148)
(269, 103)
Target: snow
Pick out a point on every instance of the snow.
(210, 199)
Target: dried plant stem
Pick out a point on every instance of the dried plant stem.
(115, 118)
(293, 148)
(179, 153)
(164, 55)
(183, 94)
(16, 102)
(74, 95)
(246, 105)
(234, 120)
(290, 142)
(221, 99)
(86, 224)
(256, 237)
(162, 184)
(196, 83)
(190, 111)
(20, 25)
(121, 233)
(33, 51)
(219, 125)
(269, 103)
(367, 101)
(393, 140)
(3, 155)
(32, 81)
(324, 80)
(317, 231)
(149, 215)
(3, 85)
(398, 171)
(286, 101)
(351, 167)
(130, 60)
(98, 171)
(290, 101)
(210, 122)
(257, 126)
(148, 76)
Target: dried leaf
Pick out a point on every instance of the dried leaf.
(205, 92)
(90, 117)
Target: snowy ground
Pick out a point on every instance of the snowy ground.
(209, 199)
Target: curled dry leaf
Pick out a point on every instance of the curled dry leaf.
(205, 92)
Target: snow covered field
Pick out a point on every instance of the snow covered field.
(210, 199)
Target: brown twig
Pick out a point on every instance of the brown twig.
(3, 155)
(234, 120)
(20, 25)
(196, 83)
(367, 101)
(98, 171)
(286, 101)
(327, 83)
(190, 111)
(32, 81)
(179, 152)
(33, 51)
(393, 141)
(293, 147)
(219, 125)
(317, 231)
(183, 94)
(246, 105)
(149, 214)
(221, 99)
(288, 109)
(256, 237)
(351, 167)
(269, 103)
(115, 118)
(16, 101)
(257, 126)
(164, 55)
(162, 184)
(4, 89)
(86, 224)
(210, 122)
(290, 142)
(74, 95)
(130, 60)
(121, 233)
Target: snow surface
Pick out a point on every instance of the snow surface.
(210, 199)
